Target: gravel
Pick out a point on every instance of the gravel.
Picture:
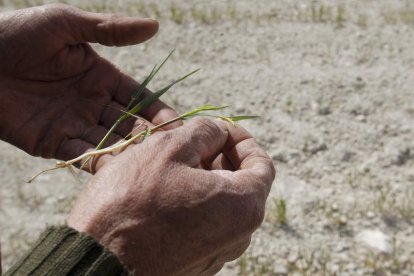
(333, 83)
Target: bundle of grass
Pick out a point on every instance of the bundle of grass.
(134, 106)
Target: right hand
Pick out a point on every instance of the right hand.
(183, 202)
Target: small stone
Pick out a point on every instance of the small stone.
(376, 240)
(361, 118)
(370, 215)
(292, 258)
(347, 156)
(324, 110)
(318, 148)
(343, 220)
(341, 247)
(335, 207)
(279, 156)
(281, 268)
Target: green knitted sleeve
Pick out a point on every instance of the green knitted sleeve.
(62, 250)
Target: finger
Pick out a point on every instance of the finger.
(95, 134)
(233, 252)
(74, 148)
(228, 254)
(198, 140)
(249, 159)
(111, 114)
(222, 162)
(107, 29)
(213, 270)
(157, 113)
(139, 126)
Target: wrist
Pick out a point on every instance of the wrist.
(62, 250)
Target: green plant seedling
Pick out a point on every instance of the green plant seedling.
(134, 106)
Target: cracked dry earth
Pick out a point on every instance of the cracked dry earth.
(333, 83)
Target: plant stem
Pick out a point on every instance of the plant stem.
(108, 134)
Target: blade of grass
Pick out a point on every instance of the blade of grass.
(234, 119)
(153, 97)
(141, 88)
(134, 98)
(123, 144)
(140, 106)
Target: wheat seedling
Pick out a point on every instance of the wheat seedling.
(133, 108)
(199, 111)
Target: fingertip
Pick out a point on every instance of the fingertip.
(152, 23)
(145, 26)
(124, 31)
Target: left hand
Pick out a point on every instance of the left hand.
(58, 97)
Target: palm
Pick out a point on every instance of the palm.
(60, 96)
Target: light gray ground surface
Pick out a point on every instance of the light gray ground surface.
(333, 82)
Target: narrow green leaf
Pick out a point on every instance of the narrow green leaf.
(199, 109)
(141, 88)
(210, 107)
(241, 118)
(153, 97)
(234, 119)
(134, 98)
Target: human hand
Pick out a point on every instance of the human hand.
(183, 202)
(58, 97)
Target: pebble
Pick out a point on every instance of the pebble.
(335, 207)
(343, 220)
(361, 118)
(324, 110)
(376, 240)
(370, 215)
(292, 258)
(281, 268)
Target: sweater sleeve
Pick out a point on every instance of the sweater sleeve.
(62, 250)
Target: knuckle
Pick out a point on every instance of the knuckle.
(250, 212)
(56, 8)
(272, 169)
(207, 128)
(257, 215)
(206, 124)
(255, 209)
(239, 249)
(162, 138)
(170, 144)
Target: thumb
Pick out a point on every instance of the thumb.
(107, 29)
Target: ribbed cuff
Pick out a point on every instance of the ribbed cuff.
(62, 250)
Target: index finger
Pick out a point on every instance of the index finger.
(247, 157)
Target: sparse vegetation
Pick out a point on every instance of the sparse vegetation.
(216, 13)
(303, 262)
(177, 15)
(395, 16)
(277, 211)
(340, 18)
(388, 264)
(362, 21)
(310, 63)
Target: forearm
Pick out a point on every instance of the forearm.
(64, 251)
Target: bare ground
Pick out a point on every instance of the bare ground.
(333, 82)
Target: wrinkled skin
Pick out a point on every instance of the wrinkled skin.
(58, 97)
(55, 90)
(183, 202)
